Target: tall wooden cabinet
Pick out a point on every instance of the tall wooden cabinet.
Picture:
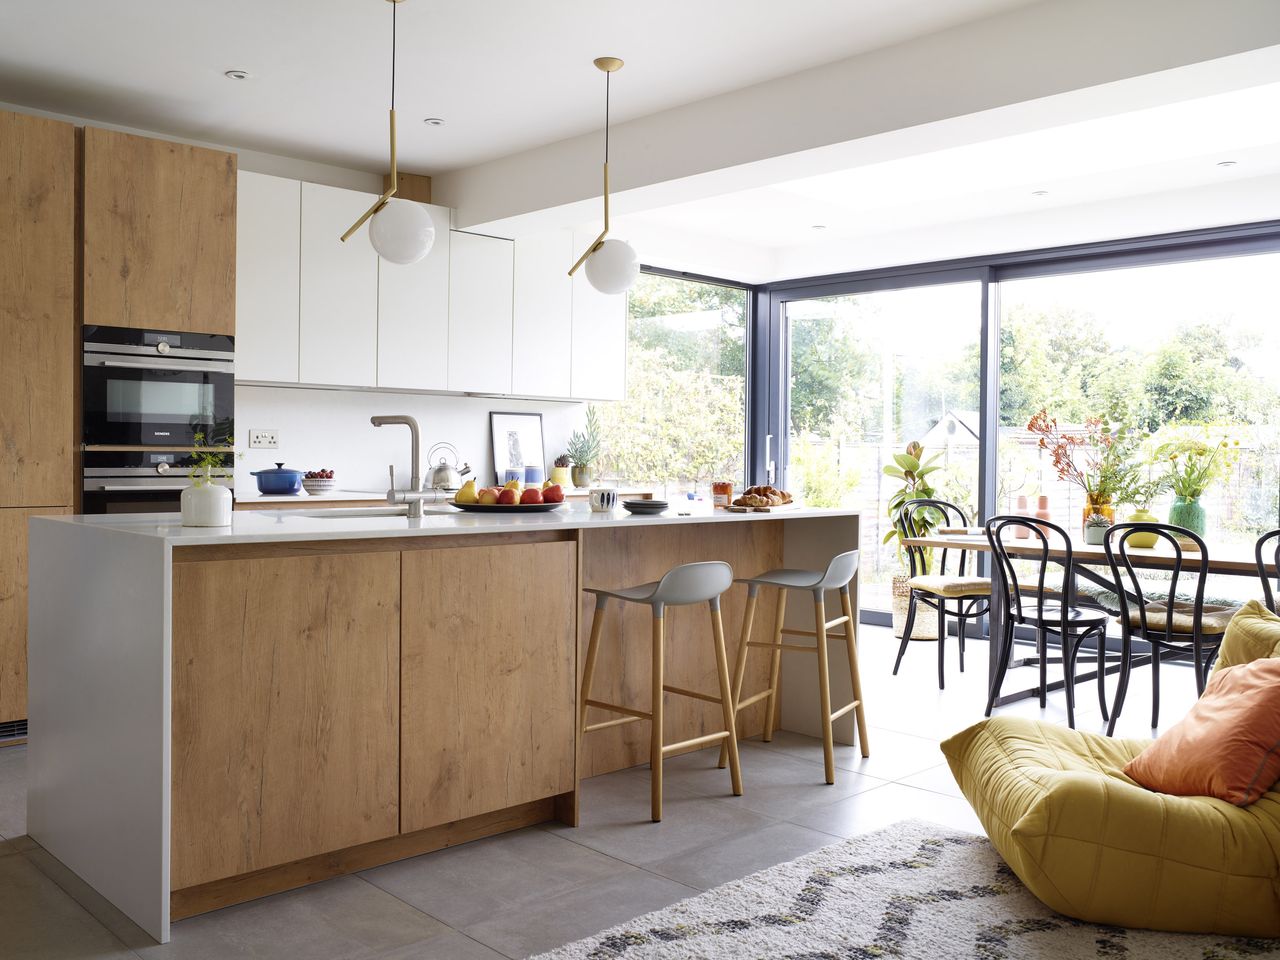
(37, 362)
(159, 234)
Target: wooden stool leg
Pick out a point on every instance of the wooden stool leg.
(727, 699)
(593, 647)
(855, 676)
(824, 687)
(655, 733)
(740, 663)
(771, 704)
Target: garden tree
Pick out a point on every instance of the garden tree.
(832, 379)
(690, 345)
(1201, 375)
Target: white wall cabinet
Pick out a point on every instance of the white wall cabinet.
(268, 237)
(480, 310)
(598, 357)
(542, 325)
(338, 293)
(413, 315)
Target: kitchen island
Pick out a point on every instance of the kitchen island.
(222, 713)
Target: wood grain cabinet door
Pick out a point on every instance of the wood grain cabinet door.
(488, 680)
(286, 700)
(37, 310)
(159, 234)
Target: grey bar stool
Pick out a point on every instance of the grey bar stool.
(686, 584)
(839, 573)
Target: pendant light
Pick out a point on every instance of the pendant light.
(612, 265)
(400, 230)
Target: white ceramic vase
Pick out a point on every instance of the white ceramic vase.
(206, 505)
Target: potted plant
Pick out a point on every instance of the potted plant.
(584, 450)
(205, 503)
(560, 470)
(1095, 528)
(1192, 464)
(1098, 458)
(913, 471)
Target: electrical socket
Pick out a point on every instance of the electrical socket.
(264, 439)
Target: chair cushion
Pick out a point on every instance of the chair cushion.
(951, 586)
(1254, 633)
(1213, 621)
(1227, 746)
(1094, 845)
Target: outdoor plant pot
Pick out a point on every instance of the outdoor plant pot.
(926, 625)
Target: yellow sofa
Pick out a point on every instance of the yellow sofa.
(1094, 845)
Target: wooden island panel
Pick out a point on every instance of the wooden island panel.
(488, 666)
(286, 699)
(626, 556)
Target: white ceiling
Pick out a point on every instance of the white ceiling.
(506, 75)
(1162, 150)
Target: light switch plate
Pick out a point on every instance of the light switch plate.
(264, 439)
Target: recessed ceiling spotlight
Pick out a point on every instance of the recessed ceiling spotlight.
(818, 226)
(237, 74)
(1039, 193)
(434, 122)
(1226, 163)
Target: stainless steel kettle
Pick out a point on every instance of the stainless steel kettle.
(445, 474)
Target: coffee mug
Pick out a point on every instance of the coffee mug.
(603, 500)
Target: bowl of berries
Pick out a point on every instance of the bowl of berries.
(318, 482)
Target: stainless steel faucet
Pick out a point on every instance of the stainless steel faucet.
(414, 495)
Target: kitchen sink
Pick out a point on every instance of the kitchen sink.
(351, 513)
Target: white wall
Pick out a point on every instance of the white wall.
(331, 429)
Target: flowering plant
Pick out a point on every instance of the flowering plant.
(1098, 457)
(1194, 463)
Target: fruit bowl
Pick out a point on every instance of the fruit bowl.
(506, 507)
(319, 485)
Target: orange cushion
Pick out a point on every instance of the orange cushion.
(1227, 746)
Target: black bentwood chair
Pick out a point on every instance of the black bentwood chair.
(1042, 606)
(972, 594)
(1174, 629)
(1268, 541)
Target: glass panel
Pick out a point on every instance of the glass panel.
(683, 423)
(158, 401)
(1186, 352)
(870, 373)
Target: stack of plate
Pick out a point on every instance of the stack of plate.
(644, 506)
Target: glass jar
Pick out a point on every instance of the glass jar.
(722, 493)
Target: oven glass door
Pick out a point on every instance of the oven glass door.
(156, 402)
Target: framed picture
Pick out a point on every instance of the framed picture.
(517, 443)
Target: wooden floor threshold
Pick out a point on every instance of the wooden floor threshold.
(190, 901)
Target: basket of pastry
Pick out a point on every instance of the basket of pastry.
(761, 499)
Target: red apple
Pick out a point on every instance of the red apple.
(487, 495)
(532, 495)
(553, 494)
(509, 496)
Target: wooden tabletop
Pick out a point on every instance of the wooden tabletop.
(1234, 561)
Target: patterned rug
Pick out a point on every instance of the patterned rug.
(913, 890)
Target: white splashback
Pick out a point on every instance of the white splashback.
(331, 429)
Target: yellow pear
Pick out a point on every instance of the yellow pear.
(511, 485)
(468, 493)
(547, 483)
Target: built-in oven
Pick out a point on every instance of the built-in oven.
(142, 481)
(156, 388)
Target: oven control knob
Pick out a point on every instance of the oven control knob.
(162, 468)
(162, 347)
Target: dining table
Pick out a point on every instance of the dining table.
(1089, 563)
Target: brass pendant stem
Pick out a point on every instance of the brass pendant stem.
(390, 192)
(599, 241)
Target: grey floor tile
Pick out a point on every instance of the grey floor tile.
(450, 945)
(938, 779)
(39, 921)
(467, 883)
(7, 848)
(865, 812)
(615, 819)
(13, 791)
(98, 907)
(737, 856)
(893, 755)
(341, 919)
(554, 921)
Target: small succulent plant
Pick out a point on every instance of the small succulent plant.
(562, 460)
(1096, 520)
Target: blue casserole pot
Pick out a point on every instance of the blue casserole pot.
(278, 481)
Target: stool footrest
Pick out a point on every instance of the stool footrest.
(749, 701)
(606, 724)
(799, 648)
(787, 631)
(693, 694)
(618, 708)
(845, 709)
(695, 742)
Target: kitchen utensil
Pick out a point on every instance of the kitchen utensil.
(279, 481)
(644, 507)
(506, 507)
(445, 474)
(603, 500)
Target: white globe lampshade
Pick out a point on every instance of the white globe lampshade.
(402, 232)
(614, 267)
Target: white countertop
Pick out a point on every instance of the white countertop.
(318, 498)
(273, 526)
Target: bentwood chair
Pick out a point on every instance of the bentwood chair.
(971, 593)
(838, 575)
(686, 584)
(1268, 542)
(1173, 629)
(1036, 602)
